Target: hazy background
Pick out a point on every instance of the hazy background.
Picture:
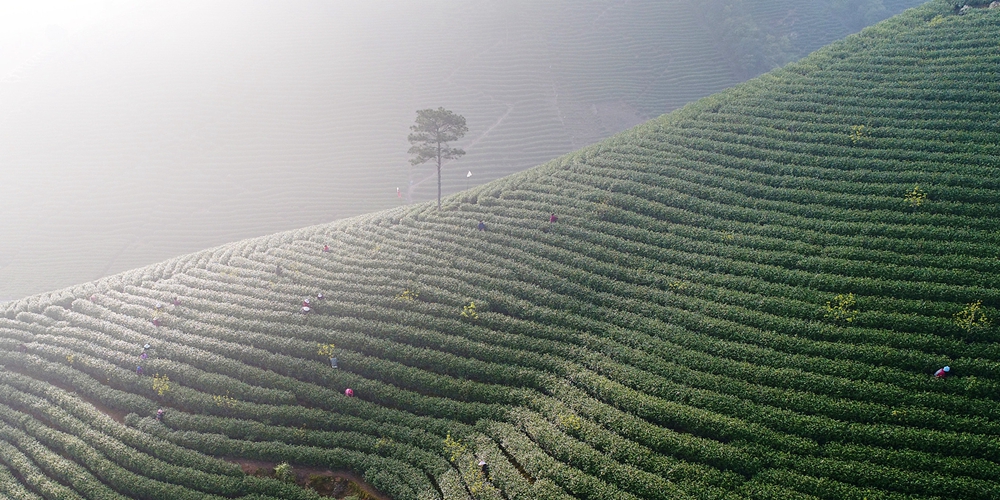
(133, 132)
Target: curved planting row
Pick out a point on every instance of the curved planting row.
(747, 298)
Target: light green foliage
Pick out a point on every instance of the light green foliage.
(326, 350)
(383, 442)
(916, 196)
(841, 308)
(972, 318)
(161, 384)
(283, 472)
(453, 448)
(469, 311)
(859, 133)
(678, 285)
(226, 401)
(570, 422)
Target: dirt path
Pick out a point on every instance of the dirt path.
(303, 475)
(116, 415)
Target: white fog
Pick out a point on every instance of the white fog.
(132, 132)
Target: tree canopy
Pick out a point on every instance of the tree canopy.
(430, 136)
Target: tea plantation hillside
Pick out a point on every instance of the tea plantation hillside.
(746, 298)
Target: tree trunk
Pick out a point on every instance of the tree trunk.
(439, 177)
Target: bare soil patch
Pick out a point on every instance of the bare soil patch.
(326, 482)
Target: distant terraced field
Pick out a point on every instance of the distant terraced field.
(745, 298)
(175, 127)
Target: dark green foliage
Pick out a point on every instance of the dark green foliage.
(737, 301)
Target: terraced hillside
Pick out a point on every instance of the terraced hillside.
(746, 298)
(171, 127)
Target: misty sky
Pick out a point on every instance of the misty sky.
(29, 27)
